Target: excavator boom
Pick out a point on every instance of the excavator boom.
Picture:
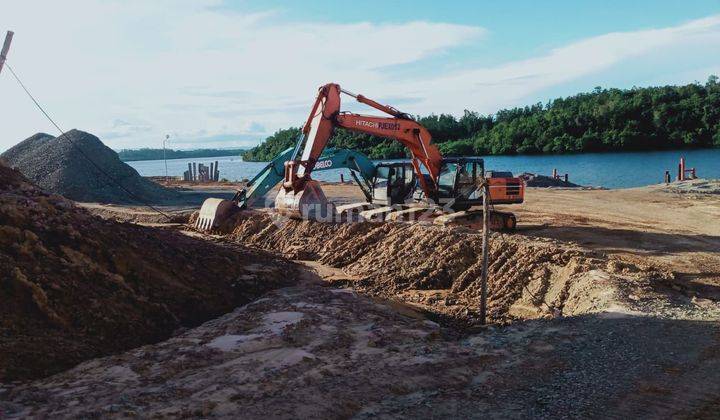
(324, 117)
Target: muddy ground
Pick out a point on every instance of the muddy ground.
(604, 303)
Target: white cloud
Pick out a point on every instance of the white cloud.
(185, 66)
(210, 77)
(487, 89)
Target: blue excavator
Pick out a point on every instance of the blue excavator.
(362, 170)
(387, 187)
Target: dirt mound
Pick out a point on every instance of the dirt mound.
(533, 180)
(58, 165)
(440, 267)
(74, 286)
(698, 186)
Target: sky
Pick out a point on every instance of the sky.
(228, 73)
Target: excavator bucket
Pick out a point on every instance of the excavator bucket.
(214, 212)
(308, 203)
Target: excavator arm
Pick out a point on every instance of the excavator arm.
(331, 158)
(325, 116)
(362, 170)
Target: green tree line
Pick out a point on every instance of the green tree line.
(128, 155)
(652, 118)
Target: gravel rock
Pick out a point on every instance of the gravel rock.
(59, 165)
(533, 180)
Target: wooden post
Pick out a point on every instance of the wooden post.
(195, 178)
(216, 174)
(667, 177)
(5, 48)
(342, 178)
(485, 251)
(682, 162)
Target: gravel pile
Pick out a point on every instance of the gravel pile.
(57, 165)
(694, 186)
(533, 180)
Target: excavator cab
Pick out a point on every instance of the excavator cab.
(394, 183)
(460, 178)
(460, 186)
(458, 183)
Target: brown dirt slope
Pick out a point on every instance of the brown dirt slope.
(74, 286)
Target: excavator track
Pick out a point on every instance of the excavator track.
(498, 220)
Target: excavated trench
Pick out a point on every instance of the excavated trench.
(438, 268)
(75, 287)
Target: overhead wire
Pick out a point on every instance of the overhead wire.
(70, 138)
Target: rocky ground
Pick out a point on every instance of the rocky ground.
(313, 351)
(605, 305)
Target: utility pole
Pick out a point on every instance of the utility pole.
(485, 247)
(5, 48)
(167, 137)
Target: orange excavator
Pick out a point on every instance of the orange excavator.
(448, 187)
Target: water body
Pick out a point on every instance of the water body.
(611, 170)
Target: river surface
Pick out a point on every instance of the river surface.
(610, 170)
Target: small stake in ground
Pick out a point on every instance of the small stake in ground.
(485, 246)
(5, 49)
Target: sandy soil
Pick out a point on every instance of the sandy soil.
(639, 268)
(675, 226)
(676, 231)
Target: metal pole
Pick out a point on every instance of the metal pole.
(5, 48)
(485, 246)
(167, 136)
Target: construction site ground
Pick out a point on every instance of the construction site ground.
(604, 303)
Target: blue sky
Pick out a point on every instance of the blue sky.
(215, 73)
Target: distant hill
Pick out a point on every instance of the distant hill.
(604, 120)
(127, 155)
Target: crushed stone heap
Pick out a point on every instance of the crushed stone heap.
(57, 165)
(542, 181)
